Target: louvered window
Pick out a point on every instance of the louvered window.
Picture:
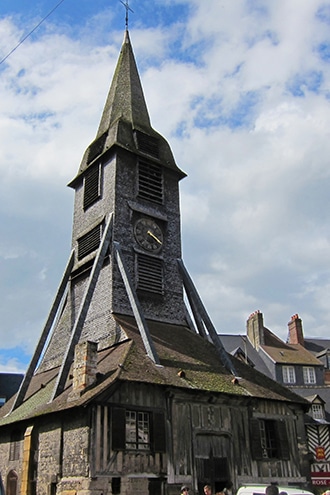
(149, 274)
(147, 144)
(92, 186)
(96, 148)
(89, 242)
(150, 182)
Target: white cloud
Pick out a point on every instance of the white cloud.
(241, 93)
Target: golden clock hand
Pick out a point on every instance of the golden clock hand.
(155, 237)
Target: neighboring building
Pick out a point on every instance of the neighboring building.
(301, 364)
(9, 384)
(122, 396)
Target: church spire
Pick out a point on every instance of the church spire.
(125, 120)
(125, 99)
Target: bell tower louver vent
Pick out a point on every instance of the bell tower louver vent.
(89, 242)
(147, 144)
(96, 147)
(92, 186)
(150, 274)
(150, 182)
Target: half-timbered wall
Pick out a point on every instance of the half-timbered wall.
(222, 441)
(318, 439)
(208, 438)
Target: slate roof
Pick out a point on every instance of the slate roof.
(233, 343)
(309, 393)
(283, 353)
(179, 350)
(315, 345)
(9, 384)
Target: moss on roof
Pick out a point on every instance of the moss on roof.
(187, 361)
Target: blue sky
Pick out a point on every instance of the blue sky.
(241, 90)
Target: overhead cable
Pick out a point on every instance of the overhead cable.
(29, 34)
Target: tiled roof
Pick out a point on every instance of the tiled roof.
(233, 342)
(187, 361)
(283, 353)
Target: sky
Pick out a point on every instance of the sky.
(240, 89)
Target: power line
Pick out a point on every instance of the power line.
(29, 34)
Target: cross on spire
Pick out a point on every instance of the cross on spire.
(127, 7)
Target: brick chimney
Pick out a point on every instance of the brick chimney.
(84, 366)
(255, 329)
(296, 334)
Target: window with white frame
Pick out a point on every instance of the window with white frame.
(317, 411)
(309, 375)
(137, 430)
(289, 375)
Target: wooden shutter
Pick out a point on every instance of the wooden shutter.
(118, 428)
(255, 439)
(282, 440)
(159, 432)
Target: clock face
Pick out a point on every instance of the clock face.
(148, 234)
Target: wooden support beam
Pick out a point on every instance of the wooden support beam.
(135, 305)
(44, 335)
(78, 325)
(198, 308)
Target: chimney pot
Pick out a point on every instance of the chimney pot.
(296, 334)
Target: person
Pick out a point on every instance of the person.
(207, 490)
(272, 490)
(184, 490)
(228, 490)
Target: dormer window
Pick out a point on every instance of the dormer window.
(317, 411)
(289, 375)
(309, 375)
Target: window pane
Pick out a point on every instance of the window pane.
(289, 375)
(268, 439)
(131, 429)
(137, 430)
(309, 374)
(143, 430)
(317, 411)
